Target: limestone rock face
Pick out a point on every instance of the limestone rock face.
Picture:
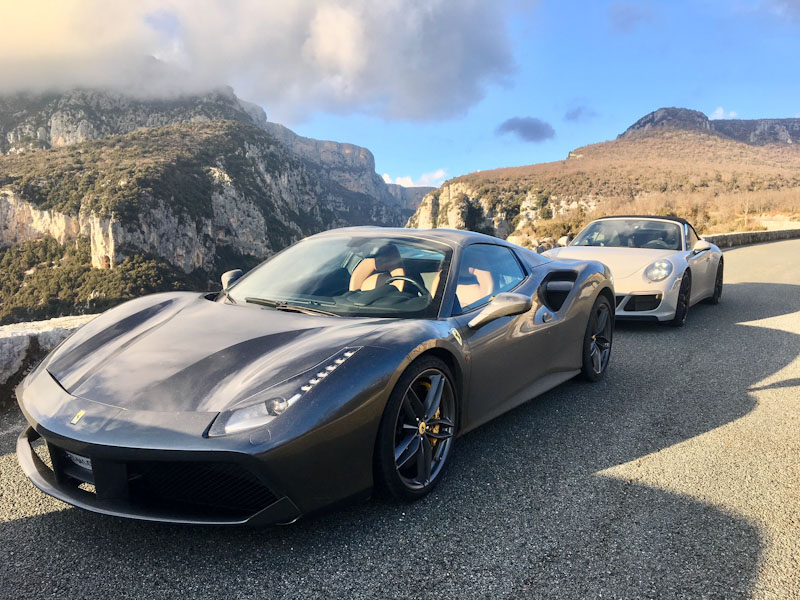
(29, 122)
(260, 191)
(460, 205)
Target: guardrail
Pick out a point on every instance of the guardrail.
(743, 238)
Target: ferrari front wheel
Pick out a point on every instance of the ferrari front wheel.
(597, 340)
(417, 429)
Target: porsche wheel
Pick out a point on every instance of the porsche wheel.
(597, 340)
(682, 305)
(416, 431)
(717, 295)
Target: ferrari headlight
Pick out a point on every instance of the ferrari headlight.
(258, 412)
(659, 270)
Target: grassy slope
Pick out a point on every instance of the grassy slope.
(705, 177)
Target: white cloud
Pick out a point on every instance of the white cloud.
(402, 59)
(720, 113)
(434, 179)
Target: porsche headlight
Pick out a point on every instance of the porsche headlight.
(658, 271)
(260, 412)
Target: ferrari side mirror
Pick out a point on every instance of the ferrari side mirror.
(502, 305)
(228, 277)
(701, 246)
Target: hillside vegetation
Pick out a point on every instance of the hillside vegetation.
(716, 182)
(118, 174)
(43, 279)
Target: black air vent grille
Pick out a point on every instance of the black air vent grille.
(216, 487)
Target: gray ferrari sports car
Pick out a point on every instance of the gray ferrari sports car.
(350, 360)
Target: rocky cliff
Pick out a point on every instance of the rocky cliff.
(748, 131)
(167, 192)
(180, 192)
(31, 122)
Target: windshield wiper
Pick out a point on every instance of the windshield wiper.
(283, 305)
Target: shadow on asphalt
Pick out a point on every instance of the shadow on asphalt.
(520, 511)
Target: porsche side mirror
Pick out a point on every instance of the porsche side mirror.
(502, 305)
(563, 241)
(701, 246)
(228, 277)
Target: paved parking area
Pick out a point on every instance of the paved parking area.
(676, 477)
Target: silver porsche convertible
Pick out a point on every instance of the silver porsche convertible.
(661, 267)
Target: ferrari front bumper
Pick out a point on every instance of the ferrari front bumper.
(172, 486)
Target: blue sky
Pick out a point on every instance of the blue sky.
(609, 63)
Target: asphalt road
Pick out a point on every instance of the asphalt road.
(676, 477)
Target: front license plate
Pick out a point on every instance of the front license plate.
(81, 461)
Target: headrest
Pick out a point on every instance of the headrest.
(387, 259)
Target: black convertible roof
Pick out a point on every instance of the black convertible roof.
(453, 236)
(663, 218)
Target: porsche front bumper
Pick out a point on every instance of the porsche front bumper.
(654, 302)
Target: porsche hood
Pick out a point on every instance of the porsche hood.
(182, 352)
(623, 262)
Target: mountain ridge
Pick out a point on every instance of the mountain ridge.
(748, 131)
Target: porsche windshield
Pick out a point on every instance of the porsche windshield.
(352, 276)
(631, 233)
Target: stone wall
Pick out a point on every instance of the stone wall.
(730, 240)
(22, 345)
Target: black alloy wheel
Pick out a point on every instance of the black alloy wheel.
(597, 340)
(717, 295)
(682, 305)
(417, 430)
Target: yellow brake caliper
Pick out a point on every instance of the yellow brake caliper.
(435, 428)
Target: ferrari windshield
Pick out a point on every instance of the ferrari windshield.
(352, 276)
(631, 233)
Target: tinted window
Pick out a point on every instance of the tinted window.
(485, 271)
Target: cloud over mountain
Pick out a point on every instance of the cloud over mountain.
(414, 60)
(529, 129)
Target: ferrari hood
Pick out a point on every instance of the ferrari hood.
(623, 262)
(182, 352)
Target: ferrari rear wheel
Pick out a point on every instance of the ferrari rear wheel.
(717, 295)
(682, 305)
(417, 429)
(597, 340)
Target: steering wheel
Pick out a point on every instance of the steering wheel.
(656, 244)
(422, 292)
